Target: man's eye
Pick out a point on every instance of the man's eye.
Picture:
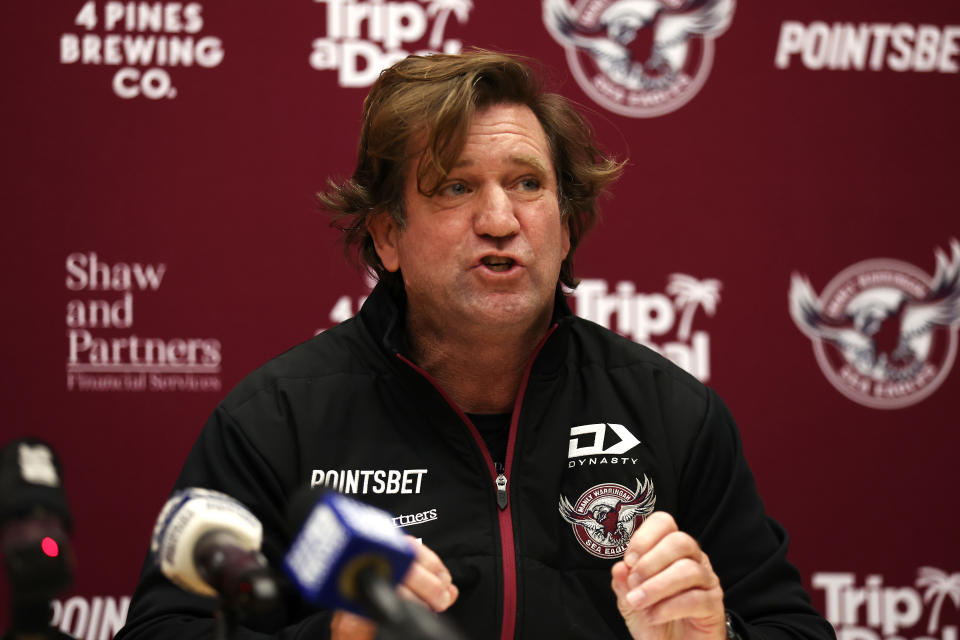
(454, 189)
(529, 184)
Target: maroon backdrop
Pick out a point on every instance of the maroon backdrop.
(180, 144)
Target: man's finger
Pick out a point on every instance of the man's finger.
(683, 575)
(428, 580)
(618, 579)
(426, 557)
(450, 598)
(701, 607)
(436, 592)
(654, 528)
(349, 626)
(672, 547)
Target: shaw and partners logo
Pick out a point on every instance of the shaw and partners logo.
(883, 331)
(874, 611)
(364, 38)
(639, 58)
(645, 316)
(103, 351)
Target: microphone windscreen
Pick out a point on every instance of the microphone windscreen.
(31, 481)
(189, 515)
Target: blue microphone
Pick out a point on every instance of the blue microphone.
(342, 545)
(349, 555)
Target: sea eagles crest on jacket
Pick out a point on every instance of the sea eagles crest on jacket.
(605, 515)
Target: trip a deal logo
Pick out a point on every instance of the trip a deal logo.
(883, 331)
(654, 319)
(639, 58)
(870, 608)
(364, 37)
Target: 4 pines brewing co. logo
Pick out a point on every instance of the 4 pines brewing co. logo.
(884, 332)
(142, 41)
(639, 58)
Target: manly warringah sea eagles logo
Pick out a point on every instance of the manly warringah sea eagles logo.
(604, 516)
(639, 58)
(884, 332)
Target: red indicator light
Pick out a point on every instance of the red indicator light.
(50, 547)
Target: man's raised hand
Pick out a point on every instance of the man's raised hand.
(666, 588)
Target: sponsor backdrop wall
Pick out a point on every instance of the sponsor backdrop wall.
(785, 231)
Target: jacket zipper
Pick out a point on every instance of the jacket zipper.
(502, 495)
(500, 483)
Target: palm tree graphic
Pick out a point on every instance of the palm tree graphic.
(692, 293)
(939, 585)
(442, 9)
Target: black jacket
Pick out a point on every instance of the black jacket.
(347, 409)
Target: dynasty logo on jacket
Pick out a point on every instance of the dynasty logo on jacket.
(605, 515)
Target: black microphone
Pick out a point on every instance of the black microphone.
(349, 555)
(34, 523)
(207, 543)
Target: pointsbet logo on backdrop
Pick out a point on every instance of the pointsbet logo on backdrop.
(90, 618)
(103, 354)
(883, 331)
(645, 316)
(143, 40)
(872, 610)
(607, 51)
(365, 37)
(846, 46)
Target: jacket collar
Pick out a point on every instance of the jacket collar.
(384, 316)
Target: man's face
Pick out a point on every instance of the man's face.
(486, 249)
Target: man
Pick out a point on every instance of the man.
(468, 400)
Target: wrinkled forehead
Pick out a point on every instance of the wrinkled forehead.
(507, 133)
(455, 145)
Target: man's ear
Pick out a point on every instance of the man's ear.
(385, 232)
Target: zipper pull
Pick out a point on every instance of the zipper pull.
(502, 491)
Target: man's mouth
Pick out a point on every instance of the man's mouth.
(497, 263)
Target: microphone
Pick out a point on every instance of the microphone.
(348, 555)
(207, 543)
(34, 523)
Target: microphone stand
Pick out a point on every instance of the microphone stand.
(224, 622)
(247, 588)
(256, 599)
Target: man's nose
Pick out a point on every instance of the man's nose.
(496, 215)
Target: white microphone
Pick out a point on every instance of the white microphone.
(208, 543)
